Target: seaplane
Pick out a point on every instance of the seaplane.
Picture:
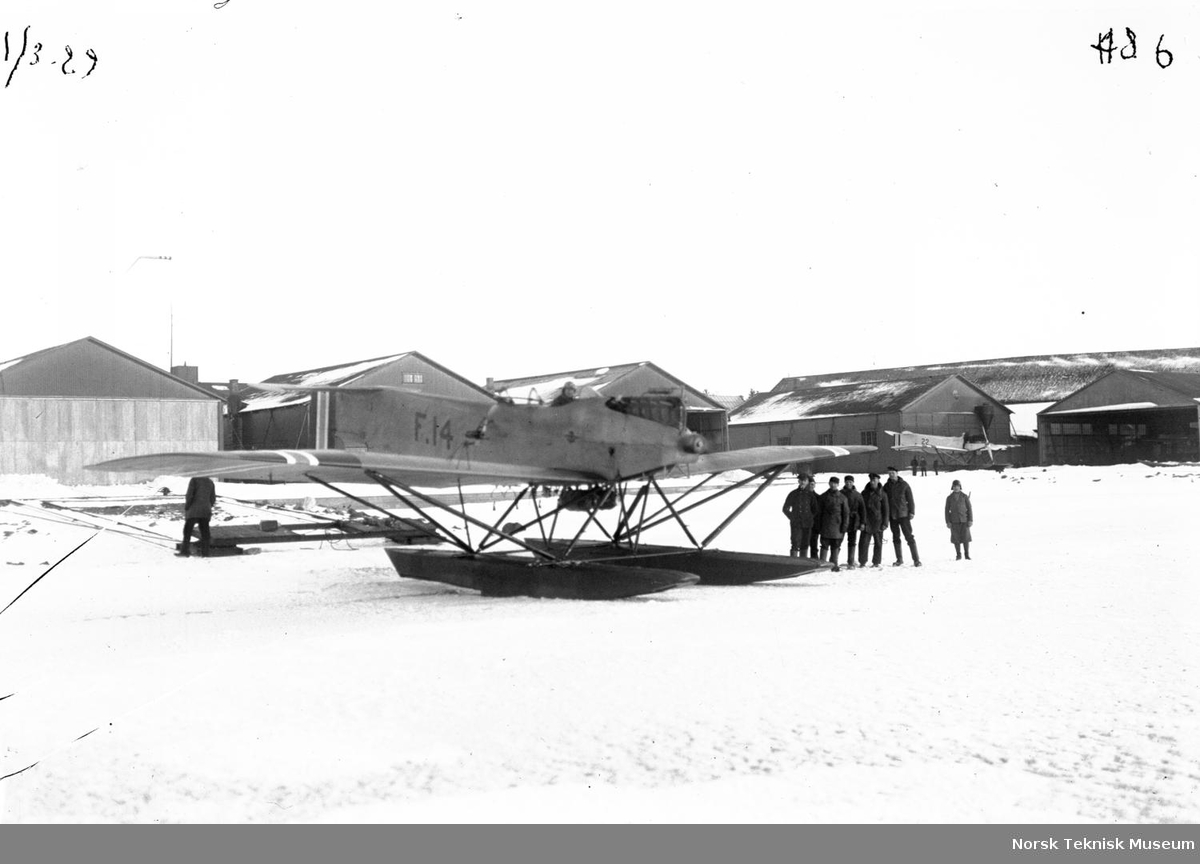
(608, 459)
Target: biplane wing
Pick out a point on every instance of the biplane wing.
(337, 466)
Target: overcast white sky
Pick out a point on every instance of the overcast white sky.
(736, 191)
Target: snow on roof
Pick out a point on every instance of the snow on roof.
(1120, 406)
(870, 397)
(550, 383)
(1033, 378)
(600, 379)
(328, 376)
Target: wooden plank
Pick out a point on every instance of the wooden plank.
(314, 532)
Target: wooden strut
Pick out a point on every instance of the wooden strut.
(540, 522)
(441, 528)
(483, 544)
(770, 475)
(628, 529)
(392, 485)
(773, 475)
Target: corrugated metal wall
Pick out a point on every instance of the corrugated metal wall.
(290, 427)
(58, 436)
(301, 425)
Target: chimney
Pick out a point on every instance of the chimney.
(233, 405)
(190, 374)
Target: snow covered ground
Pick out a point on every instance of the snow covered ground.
(1052, 679)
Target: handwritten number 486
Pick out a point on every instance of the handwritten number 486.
(1105, 48)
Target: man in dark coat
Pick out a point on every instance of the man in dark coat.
(800, 507)
(854, 500)
(959, 519)
(876, 518)
(197, 510)
(901, 509)
(833, 515)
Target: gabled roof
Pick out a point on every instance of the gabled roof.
(14, 368)
(1186, 385)
(1183, 383)
(729, 403)
(1031, 378)
(339, 375)
(835, 400)
(605, 380)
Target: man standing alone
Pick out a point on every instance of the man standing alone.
(197, 510)
(959, 519)
(902, 508)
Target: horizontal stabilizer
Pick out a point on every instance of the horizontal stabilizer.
(754, 458)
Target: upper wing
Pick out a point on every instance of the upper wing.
(344, 466)
(764, 457)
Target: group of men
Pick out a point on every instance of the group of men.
(819, 522)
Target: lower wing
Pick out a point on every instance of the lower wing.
(344, 466)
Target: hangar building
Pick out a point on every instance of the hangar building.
(278, 420)
(1026, 384)
(863, 413)
(1124, 416)
(704, 413)
(83, 402)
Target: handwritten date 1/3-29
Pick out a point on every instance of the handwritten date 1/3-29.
(33, 55)
(1105, 48)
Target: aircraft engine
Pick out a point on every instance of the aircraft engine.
(692, 442)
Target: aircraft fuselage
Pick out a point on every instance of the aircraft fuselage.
(586, 435)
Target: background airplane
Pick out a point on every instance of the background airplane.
(951, 450)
